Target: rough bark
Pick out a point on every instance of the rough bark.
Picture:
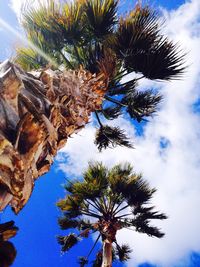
(38, 112)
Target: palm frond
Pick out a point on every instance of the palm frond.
(96, 171)
(107, 136)
(123, 252)
(88, 190)
(111, 113)
(67, 223)
(136, 32)
(68, 241)
(82, 261)
(115, 88)
(162, 62)
(141, 104)
(29, 59)
(98, 259)
(101, 17)
(137, 190)
(70, 22)
(139, 43)
(143, 227)
(70, 203)
(152, 215)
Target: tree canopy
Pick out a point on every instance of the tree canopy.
(93, 34)
(104, 202)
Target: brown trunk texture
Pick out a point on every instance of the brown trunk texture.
(107, 253)
(38, 112)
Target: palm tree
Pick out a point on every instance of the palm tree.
(7, 249)
(104, 202)
(89, 48)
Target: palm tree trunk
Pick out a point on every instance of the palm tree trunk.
(38, 112)
(107, 253)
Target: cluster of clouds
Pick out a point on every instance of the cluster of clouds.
(168, 152)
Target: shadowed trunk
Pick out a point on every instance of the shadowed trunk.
(38, 112)
(108, 229)
(107, 254)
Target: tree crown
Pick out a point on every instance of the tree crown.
(106, 201)
(92, 34)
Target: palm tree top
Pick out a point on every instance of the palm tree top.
(106, 201)
(88, 32)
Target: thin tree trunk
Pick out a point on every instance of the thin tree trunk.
(107, 253)
(38, 112)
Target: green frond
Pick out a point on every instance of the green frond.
(96, 171)
(115, 88)
(118, 177)
(29, 59)
(67, 242)
(70, 22)
(70, 203)
(41, 21)
(121, 170)
(88, 190)
(67, 223)
(123, 252)
(111, 113)
(107, 136)
(98, 259)
(162, 62)
(138, 191)
(143, 227)
(139, 43)
(85, 224)
(101, 16)
(82, 261)
(136, 32)
(141, 104)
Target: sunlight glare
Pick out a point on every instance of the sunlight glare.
(20, 36)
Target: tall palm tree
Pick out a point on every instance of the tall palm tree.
(104, 202)
(89, 49)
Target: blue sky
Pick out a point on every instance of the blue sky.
(172, 168)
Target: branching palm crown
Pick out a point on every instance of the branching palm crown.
(91, 34)
(104, 202)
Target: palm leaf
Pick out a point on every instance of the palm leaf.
(108, 136)
(98, 259)
(141, 104)
(82, 261)
(67, 242)
(143, 227)
(67, 223)
(163, 62)
(143, 49)
(111, 113)
(101, 17)
(123, 252)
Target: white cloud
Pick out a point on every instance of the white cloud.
(19, 5)
(174, 170)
